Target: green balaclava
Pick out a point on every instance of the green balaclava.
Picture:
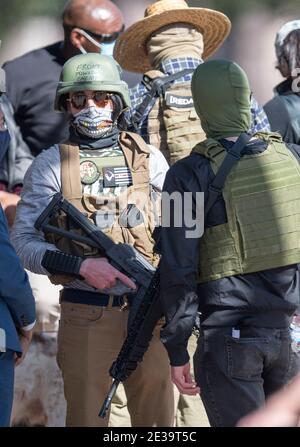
(222, 101)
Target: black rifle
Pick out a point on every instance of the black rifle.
(145, 309)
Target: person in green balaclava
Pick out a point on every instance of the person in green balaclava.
(240, 273)
(224, 104)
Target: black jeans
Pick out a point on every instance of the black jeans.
(235, 375)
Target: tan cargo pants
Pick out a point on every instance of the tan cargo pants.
(46, 297)
(89, 340)
(189, 410)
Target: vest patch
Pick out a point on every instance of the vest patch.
(99, 201)
(116, 176)
(182, 102)
(89, 173)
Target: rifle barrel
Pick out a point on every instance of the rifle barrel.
(109, 398)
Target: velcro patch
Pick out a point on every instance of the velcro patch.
(181, 102)
(88, 172)
(116, 176)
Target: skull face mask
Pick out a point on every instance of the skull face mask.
(94, 122)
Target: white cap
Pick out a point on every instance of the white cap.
(284, 31)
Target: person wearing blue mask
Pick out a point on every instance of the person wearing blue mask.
(104, 42)
(90, 26)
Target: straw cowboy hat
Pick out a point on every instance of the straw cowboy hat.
(131, 49)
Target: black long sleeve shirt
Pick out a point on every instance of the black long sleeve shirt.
(31, 82)
(263, 299)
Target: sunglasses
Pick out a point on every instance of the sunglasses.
(79, 100)
(104, 38)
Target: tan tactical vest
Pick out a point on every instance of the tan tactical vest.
(173, 124)
(136, 158)
(262, 198)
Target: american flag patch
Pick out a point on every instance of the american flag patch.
(116, 176)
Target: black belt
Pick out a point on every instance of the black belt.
(76, 296)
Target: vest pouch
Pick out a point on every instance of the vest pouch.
(104, 212)
(172, 124)
(140, 236)
(103, 220)
(113, 210)
(131, 217)
(218, 258)
(181, 122)
(67, 245)
(141, 233)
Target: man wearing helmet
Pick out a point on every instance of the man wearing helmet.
(89, 26)
(96, 169)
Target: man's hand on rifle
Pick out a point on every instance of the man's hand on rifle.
(99, 273)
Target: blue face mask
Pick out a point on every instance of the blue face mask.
(107, 49)
(4, 143)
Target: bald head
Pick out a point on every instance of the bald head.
(97, 16)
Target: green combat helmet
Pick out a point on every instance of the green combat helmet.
(90, 72)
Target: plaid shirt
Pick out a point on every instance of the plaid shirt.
(259, 118)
